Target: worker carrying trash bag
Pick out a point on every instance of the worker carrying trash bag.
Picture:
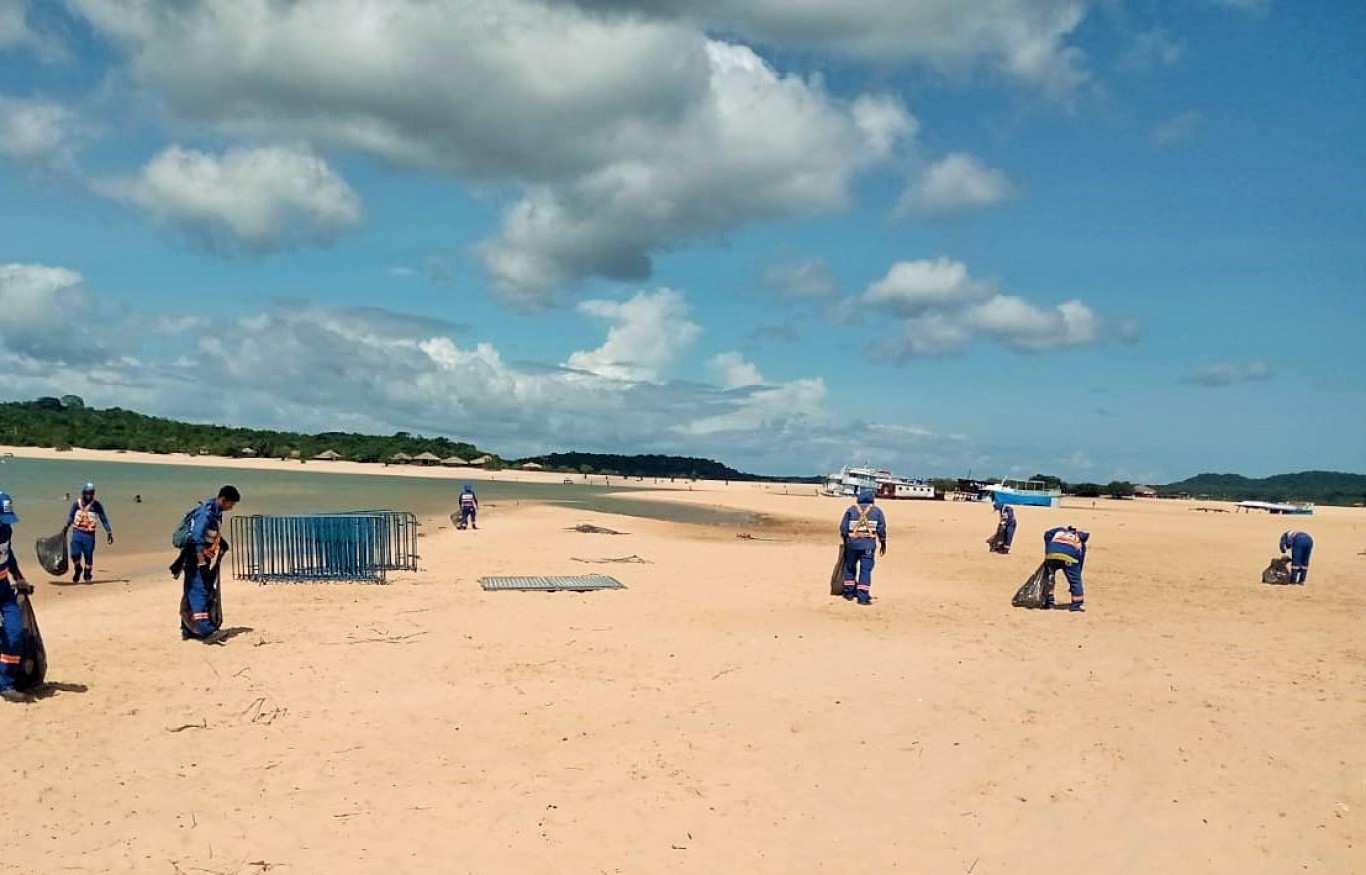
(81, 521)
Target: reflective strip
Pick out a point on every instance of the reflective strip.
(203, 616)
(84, 521)
(1061, 557)
(9, 659)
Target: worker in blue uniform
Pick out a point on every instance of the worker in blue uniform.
(862, 529)
(80, 521)
(11, 619)
(469, 508)
(202, 548)
(1005, 527)
(1065, 550)
(1299, 545)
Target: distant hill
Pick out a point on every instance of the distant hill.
(680, 467)
(1320, 487)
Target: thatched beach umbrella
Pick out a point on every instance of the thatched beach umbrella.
(401, 458)
(453, 461)
(328, 456)
(427, 459)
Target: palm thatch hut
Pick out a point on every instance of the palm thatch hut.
(482, 460)
(427, 459)
(533, 466)
(328, 456)
(400, 458)
(453, 461)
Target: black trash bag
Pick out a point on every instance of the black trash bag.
(837, 574)
(997, 542)
(1277, 572)
(1030, 595)
(54, 554)
(32, 654)
(211, 580)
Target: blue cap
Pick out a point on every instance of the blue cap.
(865, 496)
(7, 514)
(469, 488)
(89, 487)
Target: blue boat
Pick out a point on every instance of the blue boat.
(1034, 493)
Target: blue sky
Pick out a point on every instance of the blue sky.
(1106, 239)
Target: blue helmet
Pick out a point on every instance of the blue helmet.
(865, 496)
(469, 488)
(88, 489)
(7, 514)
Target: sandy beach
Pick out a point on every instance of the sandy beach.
(722, 713)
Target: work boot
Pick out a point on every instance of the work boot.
(13, 695)
(849, 593)
(1075, 606)
(76, 575)
(865, 598)
(87, 574)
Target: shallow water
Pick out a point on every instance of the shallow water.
(44, 488)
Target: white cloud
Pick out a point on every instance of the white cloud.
(1177, 129)
(39, 133)
(1220, 374)
(944, 309)
(914, 286)
(648, 331)
(734, 371)
(1152, 48)
(259, 200)
(45, 313)
(623, 135)
(954, 184)
(806, 279)
(1023, 40)
(17, 32)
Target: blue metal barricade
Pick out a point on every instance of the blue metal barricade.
(356, 546)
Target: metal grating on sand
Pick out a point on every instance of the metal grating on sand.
(576, 583)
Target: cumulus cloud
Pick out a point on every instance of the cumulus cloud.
(623, 134)
(1023, 40)
(734, 371)
(1220, 374)
(45, 314)
(257, 200)
(40, 133)
(954, 184)
(944, 308)
(1177, 129)
(648, 331)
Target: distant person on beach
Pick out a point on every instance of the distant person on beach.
(1299, 545)
(203, 546)
(1005, 527)
(1064, 549)
(469, 507)
(862, 528)
(81, 521)
(11, 620)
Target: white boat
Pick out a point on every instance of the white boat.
(850, 479)
(1035, 493)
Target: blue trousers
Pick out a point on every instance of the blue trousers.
(11, 637)
(467, 514)
(1072, 570)
(1300, 548)
(195, 614)
(83, 548)
(1009, 533)
(858, 563)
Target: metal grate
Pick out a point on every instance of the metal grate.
(577, 583)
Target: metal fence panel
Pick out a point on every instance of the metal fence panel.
(356, 546)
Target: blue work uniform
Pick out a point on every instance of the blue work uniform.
(196, 620)
(863, 528)
(469, 507)
(1299, 545)
(1065, 550)
(81, 520)
(11, 619)
(1007, 525)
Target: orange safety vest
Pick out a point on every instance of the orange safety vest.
(84, 520)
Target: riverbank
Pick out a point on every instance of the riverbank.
(723, 712)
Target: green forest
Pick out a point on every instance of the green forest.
(1320, 487)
